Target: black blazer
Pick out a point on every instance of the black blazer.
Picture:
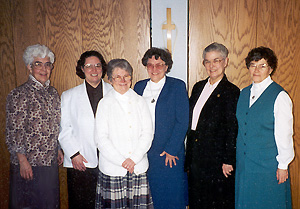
(214, 140)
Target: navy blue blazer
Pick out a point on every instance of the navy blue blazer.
(171, 124)
(171, 116)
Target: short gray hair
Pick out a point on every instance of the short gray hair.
(37, 50)
(216, 47)
(118, 63)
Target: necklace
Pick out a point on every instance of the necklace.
(153, 100)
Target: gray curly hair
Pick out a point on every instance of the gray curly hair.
(37, 50)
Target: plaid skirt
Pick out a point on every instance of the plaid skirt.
(130, 191)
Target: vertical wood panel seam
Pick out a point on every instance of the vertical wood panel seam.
(12, 22)
(256, 22)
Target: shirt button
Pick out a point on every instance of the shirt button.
(196, 140)
(245, 134)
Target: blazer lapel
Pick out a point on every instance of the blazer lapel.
(217, 92)
(195, 97)
(106, 87)
(140, 90)
(212, 98)
(164, 91)
(84, 101)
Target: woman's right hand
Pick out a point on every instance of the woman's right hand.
(25, 167)
(78, 164)
(282, 175)
(128, 164)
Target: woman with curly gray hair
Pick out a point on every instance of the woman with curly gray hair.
(32, 127)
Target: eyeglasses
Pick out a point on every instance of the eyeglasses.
(39, 65)
(121, 78)
(259, 67)
(98, 66)
(216, 61)
(158, 66)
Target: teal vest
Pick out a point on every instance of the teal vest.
(256, 147)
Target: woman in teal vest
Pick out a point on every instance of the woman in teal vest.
(264, 143)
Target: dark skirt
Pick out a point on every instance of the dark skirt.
(82, 188)
(40, 193)
(130, 191)
(209, 188)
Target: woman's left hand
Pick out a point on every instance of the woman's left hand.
(282, 175)
(169, 159)
(60, 157)
(227, 169)
(129, 165)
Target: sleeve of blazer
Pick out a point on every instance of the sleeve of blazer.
(189, 145)
(66, 139)
(182, 119)
(230, 127)
(139, 87)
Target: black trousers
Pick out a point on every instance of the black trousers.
(82, 188)
(40, 193)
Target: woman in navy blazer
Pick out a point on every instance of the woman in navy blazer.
(168, 102)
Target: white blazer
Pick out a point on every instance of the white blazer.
(123, 130)
(77, 125)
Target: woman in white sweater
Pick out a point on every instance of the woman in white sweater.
(123, 136)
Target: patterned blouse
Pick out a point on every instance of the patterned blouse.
(32, 122)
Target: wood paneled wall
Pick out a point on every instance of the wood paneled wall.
(7, 83)
(242, 25)
(115, 28)
(121, 29)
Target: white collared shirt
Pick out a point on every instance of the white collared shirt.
(283, 127)
(205, 94)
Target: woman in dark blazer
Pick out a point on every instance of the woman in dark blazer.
(210, 154)
(167, 100)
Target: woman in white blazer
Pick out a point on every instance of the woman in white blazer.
(123, 136)
(78, 108)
